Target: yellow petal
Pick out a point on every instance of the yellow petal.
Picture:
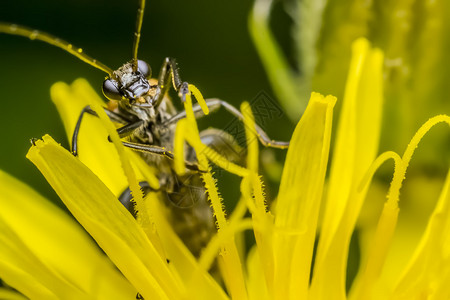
(109, 223)
(23, 281)
(199, 283)
(22, 269)
(57, 241)
(10, 295)
(255, 278)
(299, 199)
(355, 149)
(94, 150)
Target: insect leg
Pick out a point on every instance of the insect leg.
(123, 132)
(159, 151)
(169, 71)
(198, 113)
(214, 105)
(87, 109)
(128, 129)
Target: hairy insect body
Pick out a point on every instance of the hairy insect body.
(148, 121)
(184, 196)
(188, 211)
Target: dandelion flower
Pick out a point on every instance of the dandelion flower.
(45, 255)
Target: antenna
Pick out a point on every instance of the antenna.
(137, 33)
(52, 40)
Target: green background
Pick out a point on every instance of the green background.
(209, 39)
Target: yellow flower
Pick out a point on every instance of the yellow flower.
(413, 36)
(45, 255)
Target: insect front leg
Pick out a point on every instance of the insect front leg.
(87, 109)
(125, 131)
(169, 72)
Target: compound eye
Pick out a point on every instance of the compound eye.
(144, 68)
(110, 90)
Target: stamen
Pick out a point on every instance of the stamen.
(251, 137)
(376, 165)
(388, 219)
(129, 172)
(253, 157)
(144, 217)
(210, 252)
(229, 256)
(199, 97)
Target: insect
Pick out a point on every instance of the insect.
(148, 120)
